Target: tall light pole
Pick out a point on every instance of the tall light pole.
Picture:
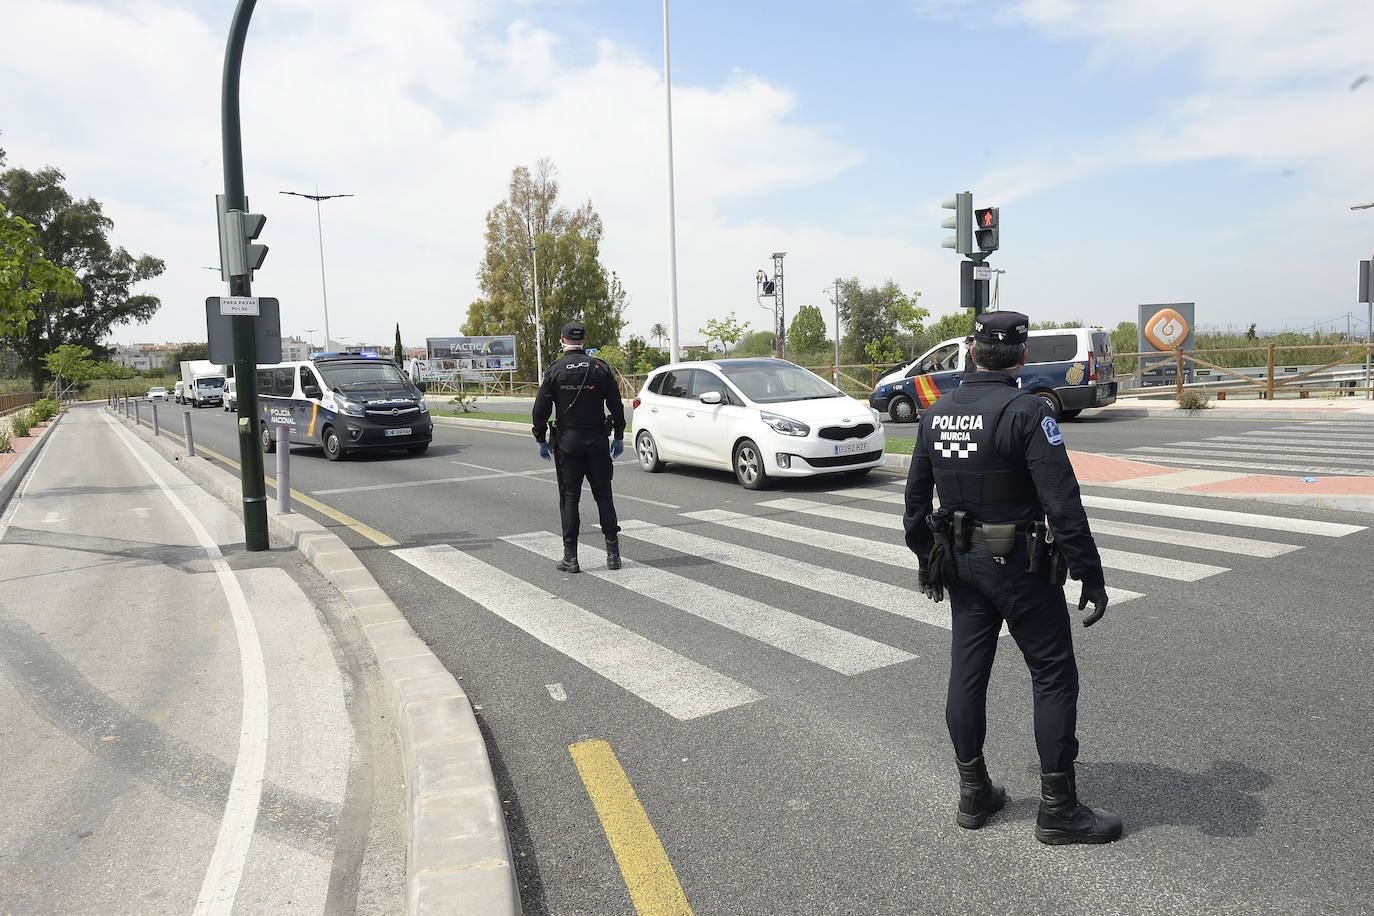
(1369, 328)
(835, 300)
(538, 322)
(319, 227)
(673, 340)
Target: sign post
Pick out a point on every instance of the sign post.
(1367, 297)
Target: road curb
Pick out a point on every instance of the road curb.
(14, 474)
(1224, 413)
(459, 857)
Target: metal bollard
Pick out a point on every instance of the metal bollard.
(283, 468)
(157, 431)
(190, 441)
(137, 419)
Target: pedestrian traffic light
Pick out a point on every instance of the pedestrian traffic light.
(241, 256)
(985, 228)
(961, 222)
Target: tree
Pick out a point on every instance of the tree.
(883, 351)
(659, 333)
(758, 343)
(1250, 332)
(806, 333)
(872, 314)
(957, 324)
(399, 352)
(171, 362)
(909, 316)
(73, 234)
(25, 275)
(727, 332)
(572, 281)
(70, 362)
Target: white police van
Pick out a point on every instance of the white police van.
(343, 403)
(1070, 369)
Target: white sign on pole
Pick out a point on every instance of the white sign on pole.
(982, 272)
(238, 305)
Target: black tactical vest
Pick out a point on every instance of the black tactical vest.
(960, 435)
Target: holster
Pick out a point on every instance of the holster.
(1043, 556)
(940, 570)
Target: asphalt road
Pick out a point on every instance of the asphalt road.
(781, 723)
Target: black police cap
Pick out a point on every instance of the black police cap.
(574, 331)
(1001, 328)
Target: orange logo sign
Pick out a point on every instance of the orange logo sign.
(1166, 329)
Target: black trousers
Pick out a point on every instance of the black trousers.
(585, 453)
(1035, 612)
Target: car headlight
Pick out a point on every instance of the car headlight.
(785, 426)
(351, 409)
(424, 408)
(877, 417)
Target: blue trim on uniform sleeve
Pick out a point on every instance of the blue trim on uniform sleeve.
(1052, 432)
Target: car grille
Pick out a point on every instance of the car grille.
(839, 461)
(862, 431)
(385, 416)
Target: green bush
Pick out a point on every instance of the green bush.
(1194, 400)
(21, 423)
(44, 410)
(5, 446)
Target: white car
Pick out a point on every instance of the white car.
(231, 394)
(157, 393)
(761, 418)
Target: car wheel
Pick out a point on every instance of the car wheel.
(269, 441)
(749, 466)
(418, 449)
(1070, 414)
(901, 410)
(333, 445)
(1052, 402)
(647, 450)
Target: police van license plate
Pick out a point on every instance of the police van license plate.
(399, 431)
(849, 448)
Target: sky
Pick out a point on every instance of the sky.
(1140, 151)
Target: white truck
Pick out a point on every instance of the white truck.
(202, 383)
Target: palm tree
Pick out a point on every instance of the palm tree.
(660, 332)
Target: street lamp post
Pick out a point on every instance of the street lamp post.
(319, 228)
(835, 300)
(311, 338)
(538, 322)
(1369, 328)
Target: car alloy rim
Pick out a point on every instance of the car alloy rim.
(646, 451)
(748, 464)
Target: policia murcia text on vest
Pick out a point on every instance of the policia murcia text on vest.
(581, 394)
(1010, 527)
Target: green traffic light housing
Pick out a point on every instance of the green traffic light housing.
(985, 227)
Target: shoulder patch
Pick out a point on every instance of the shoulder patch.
(1052, 432)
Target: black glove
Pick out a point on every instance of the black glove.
(931, 591)
(1097, 594)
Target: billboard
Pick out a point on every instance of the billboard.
(496, 353)
(1163, 328)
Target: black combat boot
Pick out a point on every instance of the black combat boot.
(1063, 819)
(613, 553)
(979, 796)
(569, 562)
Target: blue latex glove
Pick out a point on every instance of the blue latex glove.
(617, 448)
(544, 451)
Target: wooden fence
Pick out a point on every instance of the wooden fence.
(1267, 386)
(13, 401)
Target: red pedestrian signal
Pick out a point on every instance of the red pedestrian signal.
(986, 232)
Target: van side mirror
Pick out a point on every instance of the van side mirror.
(310, 391)
(422, 385)
(711, 397)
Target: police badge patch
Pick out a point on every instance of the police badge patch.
(1052, 433)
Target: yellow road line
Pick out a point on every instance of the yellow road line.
(649, 876)
(348, 521)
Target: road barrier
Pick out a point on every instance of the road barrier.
(190, 440)
(282, 435)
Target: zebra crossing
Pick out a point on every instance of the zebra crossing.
(858, 532)
(1326, 448)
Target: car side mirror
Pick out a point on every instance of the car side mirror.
(423, 386)
(711, 397)
(310, 391)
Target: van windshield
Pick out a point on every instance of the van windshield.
(365, 376)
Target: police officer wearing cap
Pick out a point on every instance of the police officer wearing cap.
(584, 390)
(997, 459)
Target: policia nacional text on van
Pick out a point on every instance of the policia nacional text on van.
(584, 391)
(997, 459)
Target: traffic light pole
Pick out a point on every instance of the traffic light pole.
(245, 348)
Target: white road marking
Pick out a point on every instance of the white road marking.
(677, 685)
(52, 518)
(1242, 450)
(833, 648)
(893, 599)
(404, 484)
(1223, 516)
(557, 692)
(1193, 458)
(221, 883)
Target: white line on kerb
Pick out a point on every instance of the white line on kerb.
(221, 883)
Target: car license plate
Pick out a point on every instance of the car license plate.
(399, 431)
(849, 448)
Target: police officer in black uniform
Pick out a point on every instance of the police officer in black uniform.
(579, 385)
(997, 459)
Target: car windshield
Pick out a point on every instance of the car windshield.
(364, 376)
(772, 384)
